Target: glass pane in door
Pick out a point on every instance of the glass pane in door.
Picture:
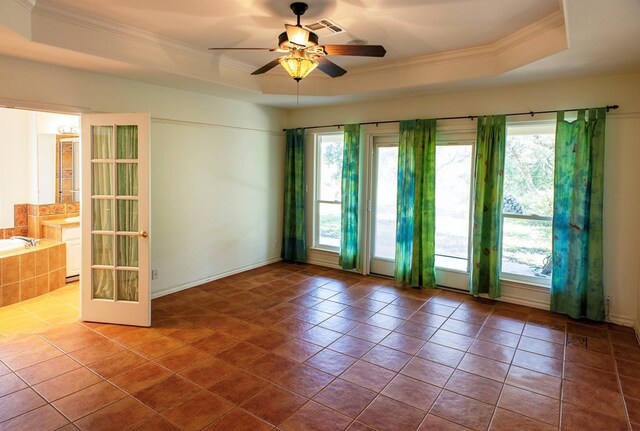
(114, 223)
(386, 177)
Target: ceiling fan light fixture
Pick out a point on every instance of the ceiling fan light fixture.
(298, 64)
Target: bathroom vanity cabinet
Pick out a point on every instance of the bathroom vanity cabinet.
(67, 231)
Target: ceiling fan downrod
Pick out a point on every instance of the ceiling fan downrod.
(299, 9)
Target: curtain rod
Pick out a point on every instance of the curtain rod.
(468, 117)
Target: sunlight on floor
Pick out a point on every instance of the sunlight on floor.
(37, 314)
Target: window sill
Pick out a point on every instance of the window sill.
(325, 250)
(542, 284)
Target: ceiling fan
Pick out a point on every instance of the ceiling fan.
(303, 54)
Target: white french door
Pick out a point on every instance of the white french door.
(115, 218)
(382, 205)
(453, 188)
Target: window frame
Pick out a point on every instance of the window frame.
(544, 282)
(316, 191)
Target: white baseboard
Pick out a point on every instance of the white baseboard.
(195, 283)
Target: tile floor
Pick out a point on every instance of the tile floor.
(298, 347)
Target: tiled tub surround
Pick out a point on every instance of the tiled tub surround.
(31, 272)
(302, 348)
(28, 218)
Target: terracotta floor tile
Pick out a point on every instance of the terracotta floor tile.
(208, 372)
(11, 383)
(182, 358)
(463, 410)
(589, 359)
(117, 364)
(534, 381)
(121, 415)
(535, 362)
(505, 324)
(370, 333)
(576, 418)
(492, 351)
(157, 347)
(416, 330)
(345, 397)
(140, 377)
(357, 314)
(544, 332)
(167, 393)
(474, 386)
(305, 380)
(96, 352)
(241, 353)
(585, 395)
(44, 418)
(351, 346)
(459, 327)
(593, 376)
(411, 391)
(329, 306)
(268, 339)
(27, 358)
(48, 369)
(339, 324)
(156, 423)
(274, 404)
(357, 426)
(198, 411)
(386, 357)
(428, 372)
(66, 384)
(239, 386)
(628, 368)
(404, 417)
(535, 406)
(297, 350)
(450, 339)
(4, 369)
(383, 321)
(291, 326)
(216, 343)
(20, 344)
(19, 402)
(504, 420)
(432, 423)
(541, 347)
(438, 309)
(270, 366)
(484, 367)
(499, 337)
(320, 336)
(88, 400)
(368, 375)
(440, 354)
(313, 316)
(315, 417)
(370, 304)
(403, 343)
(331, 362)
(239, 420)
(428, 319)
(630, 387)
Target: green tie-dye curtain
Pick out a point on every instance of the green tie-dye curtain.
(294, 236)
(349, 244)
(415, 231)
(487, 213)
(577, 285)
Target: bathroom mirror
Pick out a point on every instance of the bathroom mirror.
(58, 168)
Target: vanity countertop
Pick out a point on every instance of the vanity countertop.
(62, 222)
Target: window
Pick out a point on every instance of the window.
(327, 203)
(453, 195)
(528, 202)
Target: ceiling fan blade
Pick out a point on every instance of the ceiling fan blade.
(329, 67)
(267, 67)
(242, 49)
(360, 50)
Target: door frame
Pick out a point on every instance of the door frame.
(128, 313)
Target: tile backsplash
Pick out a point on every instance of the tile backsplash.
(28, 218)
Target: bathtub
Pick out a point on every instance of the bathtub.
(9, 245)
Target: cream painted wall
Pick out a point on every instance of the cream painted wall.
(622, 158)
(216, 167)
(16, 162)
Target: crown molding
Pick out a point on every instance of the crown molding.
(27, 4)
(65, 14)
(508, 43)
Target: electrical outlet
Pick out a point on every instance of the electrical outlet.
(154, 274)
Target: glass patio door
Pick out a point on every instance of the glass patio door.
(115, 219)
(384, 190)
